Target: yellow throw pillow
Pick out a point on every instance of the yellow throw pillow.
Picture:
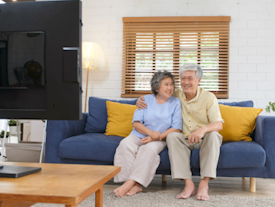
(239, 122)
(119, 118)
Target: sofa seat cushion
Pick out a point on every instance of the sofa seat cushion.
(89, 146)
(240, 154)
(164, 164)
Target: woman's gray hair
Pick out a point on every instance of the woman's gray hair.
(192, 67)
(158, 77)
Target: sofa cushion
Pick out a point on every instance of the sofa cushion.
(236, 155)
(241, 103)
(89, 146)
(239, 122)
(119, 118)
(97, 118)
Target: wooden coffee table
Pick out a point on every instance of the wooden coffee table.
(56, 183)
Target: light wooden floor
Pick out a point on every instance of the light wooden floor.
(219, 186)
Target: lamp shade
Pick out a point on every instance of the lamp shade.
(92, 56)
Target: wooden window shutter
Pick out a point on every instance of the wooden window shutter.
(166, 43)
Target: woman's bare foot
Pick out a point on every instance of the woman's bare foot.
(189, 190)
(203, 191)
(123, 189)
(137, 188)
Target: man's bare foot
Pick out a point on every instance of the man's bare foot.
(137, 188)
(189, 190)
(203, 191)
(123, 189)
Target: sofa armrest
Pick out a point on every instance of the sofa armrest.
(265, 136)
(58, 130)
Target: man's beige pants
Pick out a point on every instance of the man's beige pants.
(138, 161)
(179, 154)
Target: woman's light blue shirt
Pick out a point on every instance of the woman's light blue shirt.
(159, 117)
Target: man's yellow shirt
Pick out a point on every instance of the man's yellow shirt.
(200, 111)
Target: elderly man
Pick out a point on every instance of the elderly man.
(201, 122)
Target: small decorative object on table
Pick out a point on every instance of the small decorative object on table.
(270, 106)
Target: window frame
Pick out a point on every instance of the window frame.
(128, 61)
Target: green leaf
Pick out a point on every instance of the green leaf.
(12, 122)
(270, 106)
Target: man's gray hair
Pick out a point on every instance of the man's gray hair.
(192, 67)
(158, 77)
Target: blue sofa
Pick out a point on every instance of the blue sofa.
(84, 142)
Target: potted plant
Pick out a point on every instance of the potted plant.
(12, 125)
(2, 134)
(270, 106)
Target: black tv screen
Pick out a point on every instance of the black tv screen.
(40, 60)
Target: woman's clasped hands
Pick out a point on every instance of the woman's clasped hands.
(153, 136)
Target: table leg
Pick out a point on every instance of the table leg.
(99, 197)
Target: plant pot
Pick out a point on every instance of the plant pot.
(13, 129)
(2, 141)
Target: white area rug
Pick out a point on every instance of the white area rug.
(160, 199)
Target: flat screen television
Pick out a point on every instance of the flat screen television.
(40, 60)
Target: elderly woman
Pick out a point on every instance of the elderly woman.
(138, 153)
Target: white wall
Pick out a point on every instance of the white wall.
(252, 41)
